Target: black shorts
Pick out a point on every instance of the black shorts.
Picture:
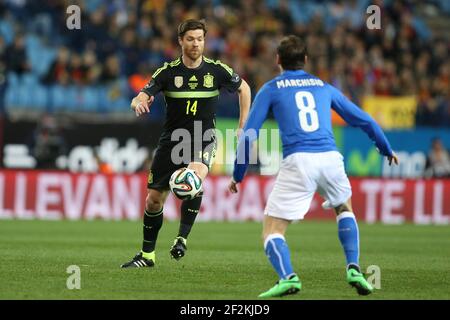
(170, 157)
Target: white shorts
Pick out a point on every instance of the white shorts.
(301, 175)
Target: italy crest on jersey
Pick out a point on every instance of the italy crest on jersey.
(178, 81)
(208, 81)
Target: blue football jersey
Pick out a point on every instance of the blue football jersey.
(301, 104)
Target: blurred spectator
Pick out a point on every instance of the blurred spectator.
(76, 71)
(111, 70)
(49, 143)
(59, 69)
(138, 80)
(438, 161)
(16, 56)
(103, 166)
(91, 69)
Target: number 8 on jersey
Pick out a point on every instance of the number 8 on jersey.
(306, 109)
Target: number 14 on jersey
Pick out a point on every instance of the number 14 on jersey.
(191, 108)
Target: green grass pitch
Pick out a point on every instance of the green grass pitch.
(223, 261)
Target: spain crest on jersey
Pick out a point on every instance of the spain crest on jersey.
(208, 81)
(178, 81)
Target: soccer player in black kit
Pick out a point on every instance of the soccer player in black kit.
(191, 86)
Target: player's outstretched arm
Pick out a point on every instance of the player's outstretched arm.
(356, 117)
(141, 103)
(257, 116)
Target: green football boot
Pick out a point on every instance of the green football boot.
(356, 279)
(283, 287)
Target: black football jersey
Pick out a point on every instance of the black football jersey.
(191, 94)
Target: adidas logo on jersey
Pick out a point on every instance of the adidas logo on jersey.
(193, 82)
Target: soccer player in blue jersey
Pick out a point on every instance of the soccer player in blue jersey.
(301, 104)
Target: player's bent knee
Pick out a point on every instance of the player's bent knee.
(343, 208)
(153, 203)
(153, 206)
(272, 225)
(200, 168)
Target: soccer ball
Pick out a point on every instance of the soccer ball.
(185, 184)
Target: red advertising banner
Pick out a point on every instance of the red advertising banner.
(59, 195)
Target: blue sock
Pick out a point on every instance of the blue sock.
(349, 236)
(277, 252)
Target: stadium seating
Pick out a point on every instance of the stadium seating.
(87, 88)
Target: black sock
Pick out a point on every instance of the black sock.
(189, 211)
(152, 223)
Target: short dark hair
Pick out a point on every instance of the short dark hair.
(292, 53)
(191, 24)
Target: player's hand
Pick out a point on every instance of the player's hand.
(393, 158)
(143, 106)
(232, 187)
(239, 133)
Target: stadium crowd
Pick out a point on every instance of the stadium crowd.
(121, 42)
